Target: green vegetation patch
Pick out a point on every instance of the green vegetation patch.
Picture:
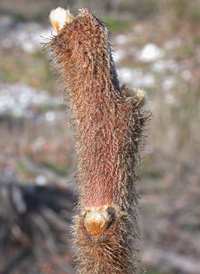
(22, 166)
(31, 69)
(58, 168)
(115, 25)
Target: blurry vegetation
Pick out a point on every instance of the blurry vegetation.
(191, 227)
(18, 17)
(180, 7)
(32, 69)
(157, 271)
(185, 10)
(182, 13)
(22, 166)
(116, 25)
(144, 8)
(141, 9)
(185, 51)
(58, 168)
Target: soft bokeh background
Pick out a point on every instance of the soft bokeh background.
(156, 47)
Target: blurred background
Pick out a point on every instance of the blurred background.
(156, 47)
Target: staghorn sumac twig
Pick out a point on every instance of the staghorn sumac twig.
(108, 123)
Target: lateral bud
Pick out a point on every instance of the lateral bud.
(97, 222)
(140, 96)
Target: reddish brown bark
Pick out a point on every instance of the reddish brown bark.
(108, 124)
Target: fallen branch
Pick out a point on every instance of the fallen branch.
(34, 223)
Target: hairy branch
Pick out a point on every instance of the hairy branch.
(108, 123)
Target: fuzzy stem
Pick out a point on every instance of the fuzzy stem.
(108, 124)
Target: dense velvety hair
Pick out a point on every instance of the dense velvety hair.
(108, 123)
